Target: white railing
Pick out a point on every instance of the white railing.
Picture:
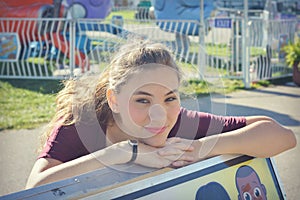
(60, 48)
(270, 37)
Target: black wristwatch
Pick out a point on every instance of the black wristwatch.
(134, 144)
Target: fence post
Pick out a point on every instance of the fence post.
(72, 47)
(245, 47)
(201, 54)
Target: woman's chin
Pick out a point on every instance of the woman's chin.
(154, 143)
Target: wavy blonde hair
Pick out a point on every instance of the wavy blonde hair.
(89, 92)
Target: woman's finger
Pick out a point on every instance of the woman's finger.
(183, 160)
(170, 151)
(178, 143)
(180, 163)
(175, 158)
(173, 140)
(185, 146)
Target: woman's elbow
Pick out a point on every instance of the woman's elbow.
(287, 140)
(34, 182)
(280, 139)
(292, 140)
(30, 185)
(286, 136)
(39, 174)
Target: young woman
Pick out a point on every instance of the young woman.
(132, 113)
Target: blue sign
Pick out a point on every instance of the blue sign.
(223, 23)
(288, 16)
(9, 46)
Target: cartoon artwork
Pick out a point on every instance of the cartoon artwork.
(249, 185)
(213, 191)
(9, 46)
(45, 34)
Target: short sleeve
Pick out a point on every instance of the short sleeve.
(68, 142)
(194, 124)
(63, 145)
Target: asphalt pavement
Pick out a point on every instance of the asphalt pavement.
(281, 102)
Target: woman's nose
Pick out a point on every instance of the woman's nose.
(157, 113)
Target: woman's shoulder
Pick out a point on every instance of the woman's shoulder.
(63, 132)
(67, 142)
(193, 113)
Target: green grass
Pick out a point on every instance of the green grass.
(221, 86)
(222, 50)
(27, 104)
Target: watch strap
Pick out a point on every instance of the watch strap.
(134, 145)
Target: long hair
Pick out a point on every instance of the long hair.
(89, 92)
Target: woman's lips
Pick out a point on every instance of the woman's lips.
(156, 130)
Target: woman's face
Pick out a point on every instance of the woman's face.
(149, 104)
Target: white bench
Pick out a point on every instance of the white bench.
(224, 175)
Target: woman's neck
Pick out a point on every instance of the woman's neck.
(114, 135)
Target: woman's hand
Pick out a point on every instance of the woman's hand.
(175, 150)
(201, 149)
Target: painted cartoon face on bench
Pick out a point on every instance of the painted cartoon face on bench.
(249, 185)
(212, 190)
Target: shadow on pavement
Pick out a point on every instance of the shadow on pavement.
(283, 119)
(218, 106)
(276, 93)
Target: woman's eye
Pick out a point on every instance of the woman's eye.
(144, 101)
(171, 99)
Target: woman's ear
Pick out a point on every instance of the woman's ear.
(112, 100)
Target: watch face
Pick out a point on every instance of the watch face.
(133, 142)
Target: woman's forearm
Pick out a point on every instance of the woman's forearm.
(259, 139)
(62, 171)
(116, 154)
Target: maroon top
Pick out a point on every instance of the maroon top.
(69, 142)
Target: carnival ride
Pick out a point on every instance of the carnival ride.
(47, 29)
(42, 32)
(181, 10)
